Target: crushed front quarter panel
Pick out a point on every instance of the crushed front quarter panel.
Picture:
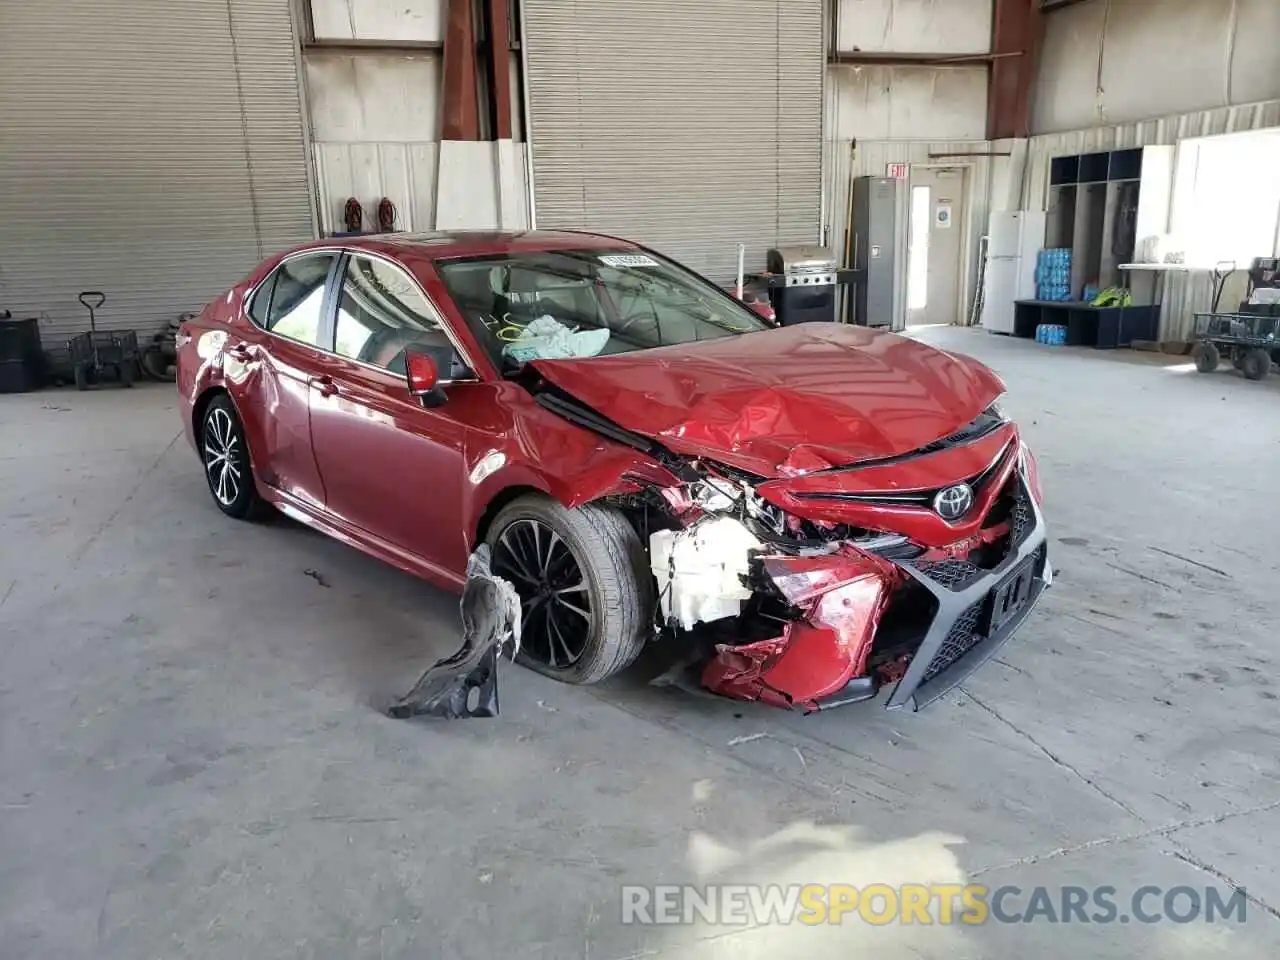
(842, 597)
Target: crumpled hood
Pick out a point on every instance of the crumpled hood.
(786, 401)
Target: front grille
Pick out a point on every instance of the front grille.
(962, 638)
(953, 574)
(1023, 518)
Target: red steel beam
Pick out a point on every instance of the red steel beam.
(461, 113)
(1016, 29)
(498, 47)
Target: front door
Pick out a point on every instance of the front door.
(268, 370)
(391, 467)
(935, 245)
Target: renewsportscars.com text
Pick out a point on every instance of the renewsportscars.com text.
(927, 904)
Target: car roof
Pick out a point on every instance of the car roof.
(445, 245)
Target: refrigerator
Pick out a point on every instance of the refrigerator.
(1014, 240)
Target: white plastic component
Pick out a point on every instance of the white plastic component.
(700, 569)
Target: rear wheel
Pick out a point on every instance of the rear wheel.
(226, 462)
(1206, 357)
(585, 592)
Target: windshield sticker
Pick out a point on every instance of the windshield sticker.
(628, 260)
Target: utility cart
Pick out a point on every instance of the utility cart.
(96, 351)
(1250, 341)
(1250, 337)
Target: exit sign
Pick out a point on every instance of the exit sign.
(898, 171)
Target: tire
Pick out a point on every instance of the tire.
(1206, 356)
(615, 581)
(1256, 364)
(222, 442)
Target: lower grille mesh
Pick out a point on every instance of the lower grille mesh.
(953, 574)
(1023, 519)
(962, 638)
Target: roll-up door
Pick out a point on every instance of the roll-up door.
(691, 127)
(150, 149)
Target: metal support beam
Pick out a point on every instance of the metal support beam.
(915, 59)
(1017, 26)
(497, 56)
(461, 115)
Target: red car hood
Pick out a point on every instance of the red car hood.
(786, 401)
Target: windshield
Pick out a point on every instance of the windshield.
(556, 304)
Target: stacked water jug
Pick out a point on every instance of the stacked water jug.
(1053, 334)
(1053, 274)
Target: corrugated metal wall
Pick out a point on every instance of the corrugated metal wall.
(1184, 293)
(151, 149)
(688, 126)
(1119, 61)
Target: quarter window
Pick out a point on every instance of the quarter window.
(382, 313)
(296, 296)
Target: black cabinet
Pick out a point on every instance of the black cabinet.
(1103, 327)
(21, 359)
(1101, 205)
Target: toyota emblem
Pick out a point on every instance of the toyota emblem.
(953, 502)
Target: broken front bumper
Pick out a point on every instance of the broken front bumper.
(960, 638)
(821, 660)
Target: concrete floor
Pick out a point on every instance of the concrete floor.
(191, 762)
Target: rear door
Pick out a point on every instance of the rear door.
(269, 365)
(390, 466)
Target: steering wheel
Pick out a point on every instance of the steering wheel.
(622, 328)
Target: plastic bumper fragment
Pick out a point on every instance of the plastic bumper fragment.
(490, 617)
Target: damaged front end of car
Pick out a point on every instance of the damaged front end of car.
(867, 588)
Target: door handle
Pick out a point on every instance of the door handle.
(325, 385)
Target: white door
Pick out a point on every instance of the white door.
(935, 244)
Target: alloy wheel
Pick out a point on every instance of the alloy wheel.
(222, 456)
(555, 599)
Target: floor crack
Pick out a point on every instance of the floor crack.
(1182, 853)
(84, 548)
(1166, 830)
(1058, 761)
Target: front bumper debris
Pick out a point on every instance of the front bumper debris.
(490, 617)
(821, 658)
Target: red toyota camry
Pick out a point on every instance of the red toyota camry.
(814, 511)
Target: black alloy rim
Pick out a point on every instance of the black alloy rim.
(555, 602)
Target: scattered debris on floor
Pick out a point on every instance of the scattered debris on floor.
(317, 576)
(465, 684)
(737, 741)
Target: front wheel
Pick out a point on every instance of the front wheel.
(1256, 363)
(586, 594)
(226, 462)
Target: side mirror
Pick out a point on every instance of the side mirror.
(423, 378)
(763, 308)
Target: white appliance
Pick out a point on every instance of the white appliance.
(1015, 239)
